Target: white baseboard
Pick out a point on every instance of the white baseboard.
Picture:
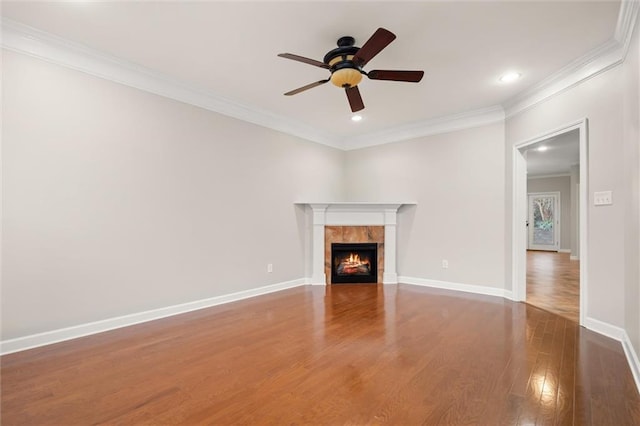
(574, 258)
(508, 294)
(632, 358)
(468, 288)
(604, 328)
(620, 335)
(60, 335)
(564, 251)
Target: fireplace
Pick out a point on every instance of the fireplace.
(341, 222)
(354, 263)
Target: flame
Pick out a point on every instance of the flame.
(354, 260)
(353, 264)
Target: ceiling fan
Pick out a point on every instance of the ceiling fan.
(346, 61)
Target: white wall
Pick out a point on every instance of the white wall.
(457, 179)
(561, 184)
(117, 201)
(600, 100)
(631, 116)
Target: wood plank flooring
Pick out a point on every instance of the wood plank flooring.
(553, 283)
(343, 354)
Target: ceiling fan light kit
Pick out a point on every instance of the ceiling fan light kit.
(346, 77)
(345, 64)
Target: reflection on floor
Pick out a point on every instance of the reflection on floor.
(553, 283)
(331, 355)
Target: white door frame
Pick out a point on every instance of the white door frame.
(557, 217)
(519, 203)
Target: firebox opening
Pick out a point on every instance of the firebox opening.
(354, 263)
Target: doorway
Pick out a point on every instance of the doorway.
(553, 283)
(561, 252)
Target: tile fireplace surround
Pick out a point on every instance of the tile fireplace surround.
(353, 214)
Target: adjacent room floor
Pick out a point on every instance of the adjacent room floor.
(341, 354)
(553, 283)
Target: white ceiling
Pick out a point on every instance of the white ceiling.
(562, 152)
(229, 49)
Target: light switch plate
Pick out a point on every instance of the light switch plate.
(602, 198)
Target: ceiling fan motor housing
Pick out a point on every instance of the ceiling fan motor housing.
(344, 72)
(345, 64)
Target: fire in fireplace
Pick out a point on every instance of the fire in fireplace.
(354, 263)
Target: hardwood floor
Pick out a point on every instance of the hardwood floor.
(553, 283)
(344, 354)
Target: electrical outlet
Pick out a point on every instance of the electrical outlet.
(270, 267)
(445, 264)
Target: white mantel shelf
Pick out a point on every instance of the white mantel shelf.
(340, 213)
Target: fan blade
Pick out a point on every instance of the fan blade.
(307, 87)
(303, 59)
(410, 76)
(378, 41)
(355, 100)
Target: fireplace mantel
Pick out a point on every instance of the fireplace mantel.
(354, 214)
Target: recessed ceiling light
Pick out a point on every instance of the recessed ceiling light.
(510, 77)
(356, 117)
(542, 148)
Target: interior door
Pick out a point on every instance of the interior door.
(544, 221)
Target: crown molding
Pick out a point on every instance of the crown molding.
(450, 123)
(48, 47)
(593, 63)
(627, 19)
(33, 42)
(39, 44)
